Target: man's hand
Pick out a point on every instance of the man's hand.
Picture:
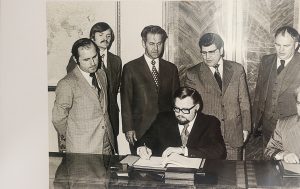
(144, 152)
(131, 137)
(245, 135)
(170, 150)
(290, 158)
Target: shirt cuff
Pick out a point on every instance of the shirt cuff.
(186, 151)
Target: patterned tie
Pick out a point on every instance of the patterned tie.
(280, 68)
(218, 75)
(185, 135)
(155, 73)
(102, 60)
(95, 82)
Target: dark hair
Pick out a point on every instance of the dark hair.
(154, 30)
(184, 92)
(209, 39)
(101, 27)
(288, 29)
(83, 42)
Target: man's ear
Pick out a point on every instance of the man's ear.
(296, 45)
(75, 60)
(144, 43)
(197, 107)
(222, 51)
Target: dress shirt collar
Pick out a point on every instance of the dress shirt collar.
(286, 61)
(86, 76)
(220, 68)
(149, 60)
(191, 124)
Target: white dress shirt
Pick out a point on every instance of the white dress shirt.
(285, 63)
(220, 68)
(88, 78)
(191, 124)
(149, 60)
(105, 57)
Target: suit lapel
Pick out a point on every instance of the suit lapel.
(227, 74)
(198, 128)
(147, 71)
(207, 76)
(291, 73)
(83, 83)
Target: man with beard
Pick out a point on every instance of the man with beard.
(284, 143)
(185, 131)
(102, 34)
(148, 85)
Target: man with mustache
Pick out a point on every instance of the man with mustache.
(79, 113)
(147, 87)
(222, 85)
(185, 131)
(278, 77)
(102, 34)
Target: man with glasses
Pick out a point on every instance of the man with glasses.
(222, 85)
(185, 130)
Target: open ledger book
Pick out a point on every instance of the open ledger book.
(174, 160)
(290, 169)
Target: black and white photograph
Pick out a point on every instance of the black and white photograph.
(150, 94)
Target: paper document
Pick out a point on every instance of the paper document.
(174, 160)
(130, 160)
(291, 168)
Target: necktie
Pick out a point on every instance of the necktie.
(154, 73)
(102, 60)
(218, 76)
(185, 135)
(280, 68)
(95, 82)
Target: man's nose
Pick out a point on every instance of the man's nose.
(93, 62)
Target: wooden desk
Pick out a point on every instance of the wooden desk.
(94, 171)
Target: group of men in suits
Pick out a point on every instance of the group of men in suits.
(156, 111)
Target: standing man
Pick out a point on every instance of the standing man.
(148, 85)
(278, 77)
(222, 85)
(102, 34)
(80, 109)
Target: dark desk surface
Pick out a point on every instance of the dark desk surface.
(94, 171)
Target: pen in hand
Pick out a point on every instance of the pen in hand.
(147, 151)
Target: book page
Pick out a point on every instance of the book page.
(153, 162)
(293, 167)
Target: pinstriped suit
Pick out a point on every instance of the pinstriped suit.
(285, 137)
(81, 115)
(231, 105)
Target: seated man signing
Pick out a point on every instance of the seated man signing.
(185, 131)
(284, 143)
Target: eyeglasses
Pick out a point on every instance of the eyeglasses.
(204, 53)
(183, 110)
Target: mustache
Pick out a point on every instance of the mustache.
(104, 41)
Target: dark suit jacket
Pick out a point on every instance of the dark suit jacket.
(231, 105)
(282, 102)
(140, 100)
(113, 73)
(205, 139)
